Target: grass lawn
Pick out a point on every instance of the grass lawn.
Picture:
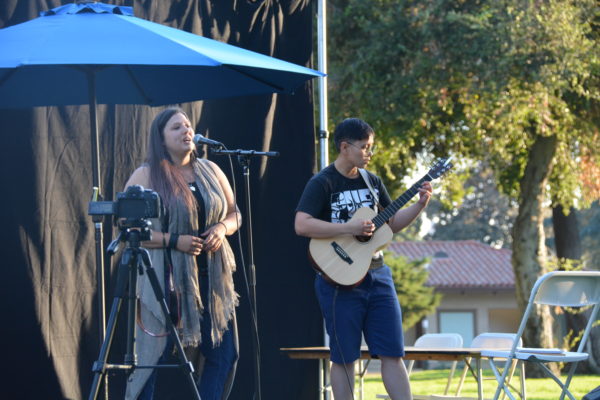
(434, 382)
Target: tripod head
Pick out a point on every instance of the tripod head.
(132, 231)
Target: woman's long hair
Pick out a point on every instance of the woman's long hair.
(165, 177)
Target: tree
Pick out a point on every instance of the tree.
(410, 277)
(512, 83)
(485, 214)
(590, 234)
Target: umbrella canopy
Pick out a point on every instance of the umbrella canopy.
(49, 61)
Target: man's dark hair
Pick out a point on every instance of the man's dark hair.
(351, 130)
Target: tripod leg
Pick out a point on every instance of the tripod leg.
(130, 355)
(186, 366)
(99, 367)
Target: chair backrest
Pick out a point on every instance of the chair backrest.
(440, 340)
(494, 340)
(568, 288)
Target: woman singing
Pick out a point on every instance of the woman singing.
(189, 248)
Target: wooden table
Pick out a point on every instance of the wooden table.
(468, 355)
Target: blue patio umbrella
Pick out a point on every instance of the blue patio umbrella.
(49, 61)
(99, 53)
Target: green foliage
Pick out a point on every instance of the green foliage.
(485, 214)
(416, 299)
(589, 233)
(478, 79)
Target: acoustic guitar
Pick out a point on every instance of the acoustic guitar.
(345, 259)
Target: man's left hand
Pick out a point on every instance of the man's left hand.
(425, 193)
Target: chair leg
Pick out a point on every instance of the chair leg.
(463, 376)
(522, 378)
(362, 370)
(565, 387)
(511, 373)
(450, 376)
(410, 367)
(501, 379)
(479, 378)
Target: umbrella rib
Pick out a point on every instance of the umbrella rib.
(138, 85)
(7, 76)
(238, 70)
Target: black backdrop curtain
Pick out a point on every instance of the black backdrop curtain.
(48, 286)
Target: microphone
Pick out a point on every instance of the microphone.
(200, 140)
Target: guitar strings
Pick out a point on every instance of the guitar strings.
(390, 210)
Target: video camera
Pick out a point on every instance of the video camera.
(131, 210)
(135, 203)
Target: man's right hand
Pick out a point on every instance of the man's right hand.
(361, 227)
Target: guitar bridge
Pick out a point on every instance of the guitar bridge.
(341, 253)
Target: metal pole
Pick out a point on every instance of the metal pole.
(323, 139)
(98, 220)
(322, 60)
(97, 188)
(245, 161)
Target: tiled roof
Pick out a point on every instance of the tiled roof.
(461, 264)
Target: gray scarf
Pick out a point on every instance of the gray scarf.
(221, 264)
(222, 297)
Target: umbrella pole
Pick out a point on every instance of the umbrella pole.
(97, 219)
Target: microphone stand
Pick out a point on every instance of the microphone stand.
(243, 157)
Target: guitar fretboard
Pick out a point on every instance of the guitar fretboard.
(397, 204)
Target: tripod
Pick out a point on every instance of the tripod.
(135, 260)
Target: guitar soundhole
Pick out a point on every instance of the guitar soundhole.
(363, 239)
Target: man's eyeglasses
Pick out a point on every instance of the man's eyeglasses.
(367, 148)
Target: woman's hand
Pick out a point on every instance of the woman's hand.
(190, 244)
(214, 236)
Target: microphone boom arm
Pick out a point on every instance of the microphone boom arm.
(247, 153)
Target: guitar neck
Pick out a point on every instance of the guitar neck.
(397, 204)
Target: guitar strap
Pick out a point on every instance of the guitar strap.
(378, 256)
(365, 176)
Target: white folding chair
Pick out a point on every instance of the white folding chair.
(435, 341)
(497, 341)
(558, 288)
(438, 341)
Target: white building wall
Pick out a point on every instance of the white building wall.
(493, 311)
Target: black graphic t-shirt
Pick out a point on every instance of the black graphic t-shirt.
(332, 197)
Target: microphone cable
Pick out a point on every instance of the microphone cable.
(253, 316)
(337, 340)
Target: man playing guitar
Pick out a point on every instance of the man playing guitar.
(328, 202)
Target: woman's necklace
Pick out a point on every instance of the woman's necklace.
(188, 172)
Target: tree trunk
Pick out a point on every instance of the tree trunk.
(529, 249)
(566, 233)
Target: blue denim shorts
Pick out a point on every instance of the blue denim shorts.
(371, 308)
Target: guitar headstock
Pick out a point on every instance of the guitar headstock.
(441, 166)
